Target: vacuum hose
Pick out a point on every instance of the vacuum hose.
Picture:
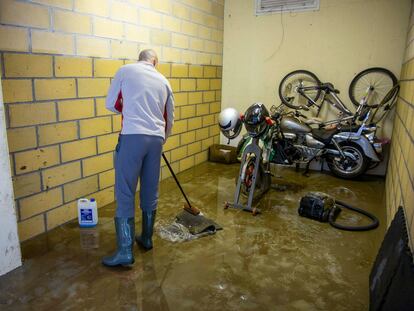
(374, 224)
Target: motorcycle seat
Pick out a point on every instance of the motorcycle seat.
(352, 128)
(323, 135)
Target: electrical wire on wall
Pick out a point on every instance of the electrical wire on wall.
(282, 39)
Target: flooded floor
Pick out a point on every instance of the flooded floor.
(272, 261)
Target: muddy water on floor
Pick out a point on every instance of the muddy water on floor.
(273, 261)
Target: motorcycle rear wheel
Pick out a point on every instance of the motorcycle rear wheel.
(348, 168)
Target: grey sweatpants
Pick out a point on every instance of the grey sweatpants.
(137, 156)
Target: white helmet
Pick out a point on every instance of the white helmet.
(230, 123)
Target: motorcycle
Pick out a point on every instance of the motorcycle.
(281, 138)
(348, 150)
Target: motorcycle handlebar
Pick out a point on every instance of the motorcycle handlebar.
(275, 116)
(279, 111)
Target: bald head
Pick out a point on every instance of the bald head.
(148, 55)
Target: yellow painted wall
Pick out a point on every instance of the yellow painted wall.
(57, 58)
(400, 176)
(336, 42)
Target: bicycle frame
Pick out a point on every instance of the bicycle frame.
(338, 104)
(357, 114)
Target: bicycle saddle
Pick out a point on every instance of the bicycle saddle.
(328, 87)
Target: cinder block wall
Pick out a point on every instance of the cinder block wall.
(57, 61)
(400, 175)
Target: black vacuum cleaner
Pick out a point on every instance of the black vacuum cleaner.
(324, 208)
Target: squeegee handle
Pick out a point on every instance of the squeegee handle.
(175, 178)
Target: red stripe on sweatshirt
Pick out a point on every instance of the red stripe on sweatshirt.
(118, 106)
(119, 102)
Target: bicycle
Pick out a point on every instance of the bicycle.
(363, 122)
(369, 115)
(300, 89)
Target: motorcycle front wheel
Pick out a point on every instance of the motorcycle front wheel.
(348, 168)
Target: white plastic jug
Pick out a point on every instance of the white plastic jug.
(87, 213)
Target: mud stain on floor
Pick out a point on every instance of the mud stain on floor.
(273, 261)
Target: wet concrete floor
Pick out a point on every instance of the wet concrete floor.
(272, 261)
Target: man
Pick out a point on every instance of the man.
(145, 99)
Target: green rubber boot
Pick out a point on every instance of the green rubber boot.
(125, 231)
(145, 239)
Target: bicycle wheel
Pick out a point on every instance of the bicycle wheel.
(288, 88)
(385, 105)
(381, 80)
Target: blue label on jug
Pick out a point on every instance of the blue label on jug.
(86, 215)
